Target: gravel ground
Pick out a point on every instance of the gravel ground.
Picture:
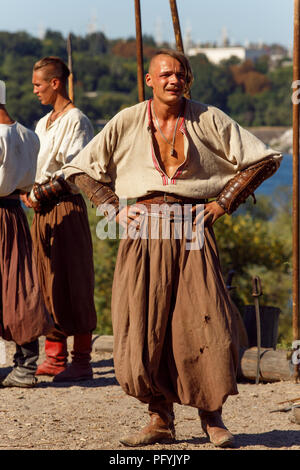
(93, 415)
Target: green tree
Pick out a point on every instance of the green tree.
(54, 44)
(258, 242)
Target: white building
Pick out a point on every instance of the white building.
(217, 54)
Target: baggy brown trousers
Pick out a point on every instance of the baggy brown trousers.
(175, 326)
(64, 255)
(23, 315)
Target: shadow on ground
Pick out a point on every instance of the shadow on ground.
(272, 439)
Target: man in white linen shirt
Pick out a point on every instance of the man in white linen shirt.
(23, 316)
(175, 327)
(60, 228)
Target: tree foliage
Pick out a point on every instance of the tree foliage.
(254, 94)
(257, 241)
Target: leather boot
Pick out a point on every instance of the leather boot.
(56, 358)
(215, 429)
(160, 429)
(80, 367)
(25, 365)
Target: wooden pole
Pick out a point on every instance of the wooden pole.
(177, 32)
(70, 66)
(296, 76)
(176, 25)
(139, 51)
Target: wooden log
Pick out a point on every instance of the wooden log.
(275, 365)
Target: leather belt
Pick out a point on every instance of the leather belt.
(167, 198)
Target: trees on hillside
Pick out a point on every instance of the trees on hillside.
(253, 94)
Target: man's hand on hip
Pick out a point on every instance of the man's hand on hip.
(212, 212)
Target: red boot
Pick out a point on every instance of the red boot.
(80, 368)
(56, 358)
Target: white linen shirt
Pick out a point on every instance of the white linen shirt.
(19, 148)
(61, 142)
(216, 148)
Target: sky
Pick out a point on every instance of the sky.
(243, 21)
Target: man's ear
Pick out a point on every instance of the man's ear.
(55, 83)
(148, 80)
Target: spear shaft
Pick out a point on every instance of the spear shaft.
(70, 66)
(176, 25)
(139, 51)
(177, 32)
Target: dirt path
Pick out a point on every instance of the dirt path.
(93, 415)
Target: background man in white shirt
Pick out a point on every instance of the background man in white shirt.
(60, 228)
(23, 316)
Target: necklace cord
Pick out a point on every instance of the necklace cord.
(58, 112)
(161, 132)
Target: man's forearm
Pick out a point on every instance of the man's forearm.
(239, 188)
(42, 194)
(98, 193)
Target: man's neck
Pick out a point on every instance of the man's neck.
(61, 101)
(5, 117)
(165, 111)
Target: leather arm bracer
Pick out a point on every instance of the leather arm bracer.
(239, 188)
(98, 193)
(51, 190)
(43, 194)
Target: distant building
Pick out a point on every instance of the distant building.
(217, 54)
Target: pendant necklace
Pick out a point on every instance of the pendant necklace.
(162, 134)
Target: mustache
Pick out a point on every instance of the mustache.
(173, 88)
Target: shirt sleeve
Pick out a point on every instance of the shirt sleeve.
(241, 148)
(95, 158)
(77, 135)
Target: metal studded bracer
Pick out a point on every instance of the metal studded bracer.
(239, 188)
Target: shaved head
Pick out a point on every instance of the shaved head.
(52, 67)
(180, 57)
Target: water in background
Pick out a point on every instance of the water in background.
(282, 177)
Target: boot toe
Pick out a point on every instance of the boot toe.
(13, 380)
(148, 437)
(221, 437)
(74, 373)
(46, 368)
(216, 431)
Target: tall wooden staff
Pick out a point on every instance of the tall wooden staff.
(177, 32)
(139, 51)
(70, 65)
(176, 25)
(296, 77)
